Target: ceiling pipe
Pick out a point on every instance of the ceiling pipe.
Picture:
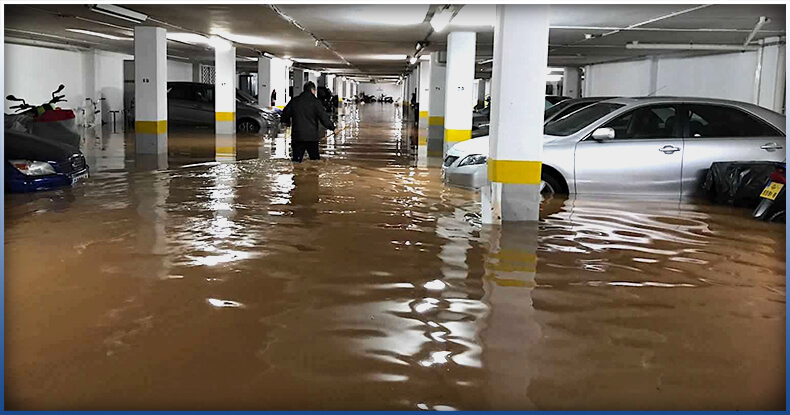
(688, 46)
(760, 23)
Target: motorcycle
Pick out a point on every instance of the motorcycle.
(772, 199)
(45, 120)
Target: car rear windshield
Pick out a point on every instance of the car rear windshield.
(572, 123)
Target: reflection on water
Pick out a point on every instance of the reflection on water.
(225, 277)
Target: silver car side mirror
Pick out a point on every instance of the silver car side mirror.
(603, 134)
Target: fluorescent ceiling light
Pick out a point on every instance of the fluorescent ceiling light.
(553, 78)
(119, 12)
(308, 60)
(425, 57)
(190, 38)
(476, 15)
(104, 35)
(384, 57)
(245, 39)
(441, 19)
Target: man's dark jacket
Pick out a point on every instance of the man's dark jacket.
(304, 113)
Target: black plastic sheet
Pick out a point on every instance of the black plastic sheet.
(738, 183)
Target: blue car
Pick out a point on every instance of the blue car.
(35, 163)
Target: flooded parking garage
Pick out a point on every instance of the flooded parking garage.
(225, 277)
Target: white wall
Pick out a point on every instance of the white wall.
(392, 90)
(618, 79)
(33, 72)
(723, 76)
(179, 71)
(110, 81)
(729, 76)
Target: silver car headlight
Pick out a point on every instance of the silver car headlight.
(473, 159)
(33, 168)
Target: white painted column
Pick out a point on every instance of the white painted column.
(150, 90)
(279, 82)
(225, 87)
(299, 81)
(339, 89)
(265, 81)
(459, 88)
(436, 107)
(330, 83)
(772, 72)
(521, 38)
(423, 100)
(571, 82)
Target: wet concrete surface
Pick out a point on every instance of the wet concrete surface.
(225, 277)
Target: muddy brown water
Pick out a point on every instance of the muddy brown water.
(225, 277)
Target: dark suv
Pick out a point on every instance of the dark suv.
(192, 104)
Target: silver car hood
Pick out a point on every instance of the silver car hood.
(480, 145)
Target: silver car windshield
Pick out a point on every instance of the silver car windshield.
(574, 122)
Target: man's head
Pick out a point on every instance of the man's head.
(310, 86)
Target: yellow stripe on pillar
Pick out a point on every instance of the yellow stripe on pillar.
(422, 140)
(150, 127)
(225, 116)
(423, 114)
(456, 136)
(435, 120)
(514, 171)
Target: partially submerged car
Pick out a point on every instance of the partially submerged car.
(191, 104)
(35, 163)
(651, 145)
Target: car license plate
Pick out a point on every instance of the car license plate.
(772, 190)
(76, 178)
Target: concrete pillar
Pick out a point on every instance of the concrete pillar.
(330, 83)
(354, 88)
(195, 72)
(339, 88)
(423, 100)
(436, 107)
(459, 88)
(90, 79)
(225, 87)
(521, 38)
(571, 83)
(265, 84)
(771, 83)
(279, 82)
(150, 90)
(312, 77)
(299, 81)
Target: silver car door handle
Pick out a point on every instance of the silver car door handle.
(668, 149)
(771, 147)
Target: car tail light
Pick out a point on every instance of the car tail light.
(778, 176)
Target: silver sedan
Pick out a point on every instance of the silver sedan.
(654, 145)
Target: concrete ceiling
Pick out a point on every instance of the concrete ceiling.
(374, 40)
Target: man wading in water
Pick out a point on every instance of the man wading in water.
(304, 113)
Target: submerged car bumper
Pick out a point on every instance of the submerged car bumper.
(470, 176)
(35, 184)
